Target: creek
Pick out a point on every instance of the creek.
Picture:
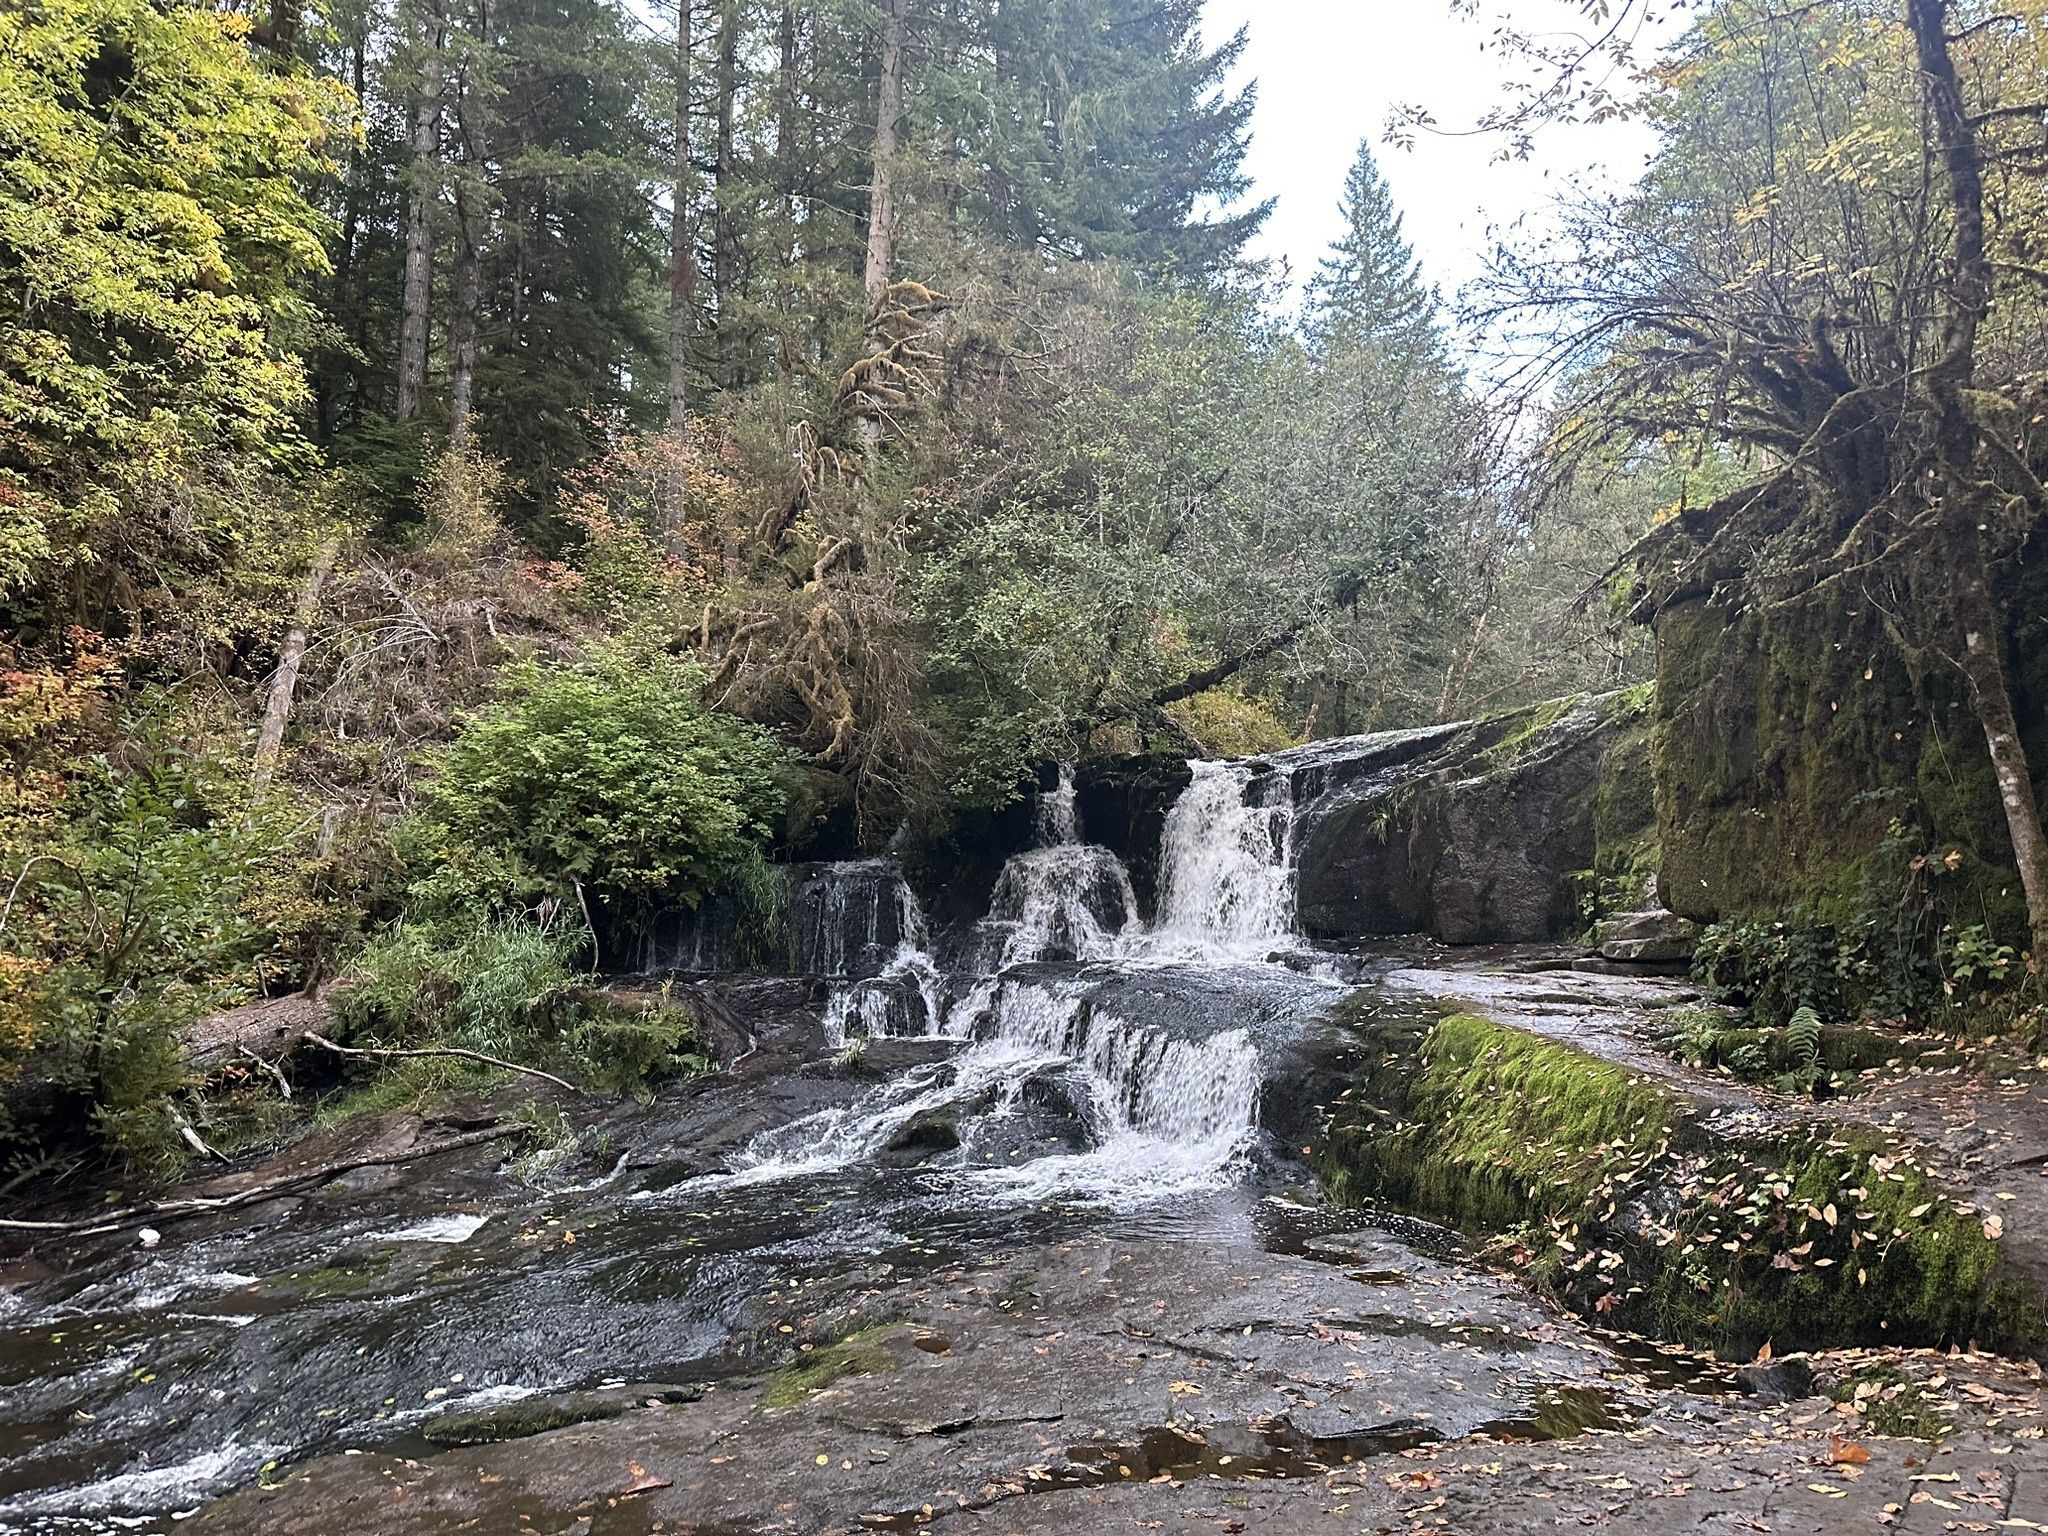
(1063, 1080)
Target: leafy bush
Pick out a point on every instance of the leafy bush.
(608, 782)
(451, 983)
(1891, 950)
(149, 894)
(505, 987)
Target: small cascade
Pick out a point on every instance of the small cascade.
(1057, 823)
(1063, 900)
(1164, 1114)
(1144, 1081)
(851, 920)
(1227, 887)
(909, 999)
(1156, 1081)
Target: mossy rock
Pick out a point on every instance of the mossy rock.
(1787, 743)
(1627, 1199)
(867, 1353)
(1519, 827)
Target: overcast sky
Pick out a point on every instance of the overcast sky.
(1329, 72)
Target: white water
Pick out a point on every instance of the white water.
(1227, 869)
(1165, 1114)
(1063, 900)
(854, 915)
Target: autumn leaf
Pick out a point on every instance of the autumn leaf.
(642, 1482)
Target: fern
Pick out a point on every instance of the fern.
(1802, 1044)
(1802, 1038)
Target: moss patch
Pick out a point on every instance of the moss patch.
(860, 1354)
(1892, 1403)
(1619, 1197)
(1787, 743)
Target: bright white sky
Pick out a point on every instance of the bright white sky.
(1330, 71)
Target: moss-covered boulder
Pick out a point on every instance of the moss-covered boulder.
(1638, 1201)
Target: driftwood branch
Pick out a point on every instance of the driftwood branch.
(202, 1205)
(1224, 670)
(276, 1072)
(384, 1054)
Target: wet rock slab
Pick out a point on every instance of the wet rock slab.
(1078, 1366)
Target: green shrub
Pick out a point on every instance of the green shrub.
(608, 782)
(1896, 948)
(158, 889)
(471, 984)
(506, 987)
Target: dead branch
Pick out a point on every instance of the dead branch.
(385, 1054)
(204, 1205)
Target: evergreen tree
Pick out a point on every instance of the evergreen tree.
(1370, 287)
(1117, 134)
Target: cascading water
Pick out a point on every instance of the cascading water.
(1227, 891)
(1168, 1096)
(1063, 900)
(853, 919)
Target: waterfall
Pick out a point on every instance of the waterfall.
(1166, 1115)
(1056, 821)
(853, 919)
(1227, 877)
(1169, 1091)
(1063, 900)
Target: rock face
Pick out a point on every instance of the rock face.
(1787, 745)
(1122, 805)
(1496, 831)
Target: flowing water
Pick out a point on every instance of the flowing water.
(1065, 1068)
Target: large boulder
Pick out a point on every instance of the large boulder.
(1791, 742)
(1518, 828)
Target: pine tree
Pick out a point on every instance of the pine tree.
(1370, 287)
(1115, 132)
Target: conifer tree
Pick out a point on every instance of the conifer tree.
(1370, 287)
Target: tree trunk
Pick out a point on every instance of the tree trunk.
(419, 229)
(462, 331)
(284, 683)
(682, 279)
(724, 218)
(1963, 487)
(881, 255)
(786, 180)
(470, 204)
(1983, 664)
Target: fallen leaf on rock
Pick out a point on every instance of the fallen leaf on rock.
(642, 1482)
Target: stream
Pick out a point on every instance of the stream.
(1065, 1080)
